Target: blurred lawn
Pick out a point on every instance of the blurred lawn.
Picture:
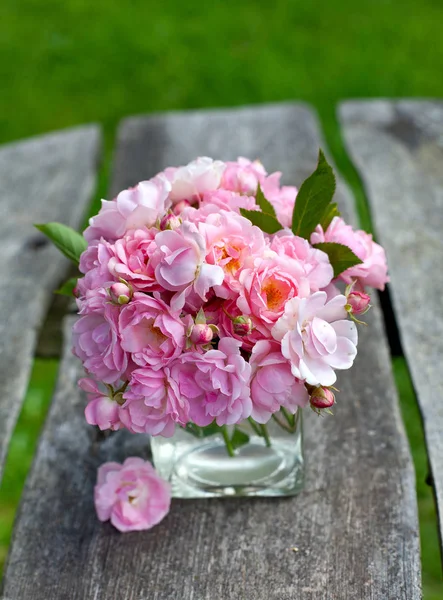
(77, 61)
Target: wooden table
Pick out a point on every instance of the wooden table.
(355, 525)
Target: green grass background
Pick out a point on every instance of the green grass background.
(75, 61)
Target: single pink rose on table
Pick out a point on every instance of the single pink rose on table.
(315, 263)
(272, 383)
(317, 338)
(134, 208)
(150, 332)
(96, 338)
(215, 384)
(179, 263)
(243, 175)
(130, 259)
(131, 495)
(101, 410)
(373, 270)
(281, 197)
(267, 285)
(153, 403)
(191, 181)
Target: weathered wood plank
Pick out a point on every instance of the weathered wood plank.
(46, 178)
(355, 525)
(398, 149)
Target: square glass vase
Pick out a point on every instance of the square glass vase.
(262, 464)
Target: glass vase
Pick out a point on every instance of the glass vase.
(248, 459)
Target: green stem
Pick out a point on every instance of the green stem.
(287, 415)
(281, 424)
(254, 426)
(228, 443)
(265, 434)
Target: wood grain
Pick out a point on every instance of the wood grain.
(398, 149)
(352, 533)
(47, 178)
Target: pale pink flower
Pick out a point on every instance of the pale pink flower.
(267, 286)
(316, 337)
(215, 384)
(193, 180)
(226, 200)
(130, 259)
(94, 264)
(272, 383)
(131, 495)
(96, 339)
(315, 263)
(282, 198)
(150, 331)
(120, 293)
(179, 263)
(101, 410)
(231, 241)
(153, 403)
(243, 176)
(373, 271)
(134, 208)
(201, 334)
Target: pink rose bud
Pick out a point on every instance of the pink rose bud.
(322, 397)
(170, 221)
(358, 302)
(120, 293)
(180, 206)
(242, 325)
(201, 334)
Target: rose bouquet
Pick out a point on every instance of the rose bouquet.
(215, 302)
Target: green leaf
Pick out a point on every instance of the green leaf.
(340, 256)
(267, 223)
(331, 212)
(67, 289)
(264, 204)
(202, 432)
(239, 438)
(68, 241)
(313, 198)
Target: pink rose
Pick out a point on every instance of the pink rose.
(231, 240)
(150, 331)
(317, 338)
(267, 286)
(179, 263)
(101, 410)
(130, 259)
(282, 198)
(132, 496)
(193, 180)
(226, 200)
(373, 271)
(215, 384)
(96, 339)
(315, 263)
(153, 403)
(272, 383)
(94, 264)
(243, 176)
(135, 208)
(228, 316)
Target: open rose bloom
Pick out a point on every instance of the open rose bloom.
(207, 300)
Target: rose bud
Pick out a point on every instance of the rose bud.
(180, 206)
(242, 325)
(170, 221)
(358, 303)
(321, 397)
(120, 293)
(201, 334)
